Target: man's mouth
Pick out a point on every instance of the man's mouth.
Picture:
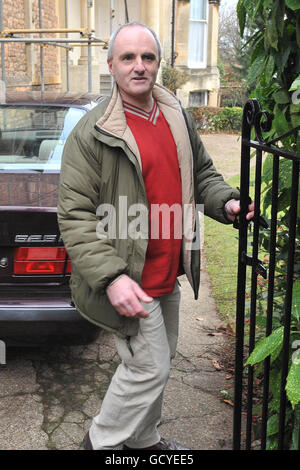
(139, 79)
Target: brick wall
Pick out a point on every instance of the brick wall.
(22, 62)
(49, 20)
(15, 55)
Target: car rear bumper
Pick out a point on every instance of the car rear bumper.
(39, 314)
(29, 326)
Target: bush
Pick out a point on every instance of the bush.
(173, 78)
(210, 119)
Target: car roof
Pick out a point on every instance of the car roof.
(49, 98)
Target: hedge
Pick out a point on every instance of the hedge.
(211, 119)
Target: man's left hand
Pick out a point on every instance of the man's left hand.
(232, 208)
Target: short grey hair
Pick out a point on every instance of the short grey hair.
(133, 23)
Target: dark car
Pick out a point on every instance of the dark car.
(35, 299)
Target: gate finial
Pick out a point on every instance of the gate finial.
(253, 117)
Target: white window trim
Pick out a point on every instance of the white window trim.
(203, 64)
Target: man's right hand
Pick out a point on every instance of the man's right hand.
(124, 295)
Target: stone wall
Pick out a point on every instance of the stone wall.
(22, 61)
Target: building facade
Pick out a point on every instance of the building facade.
(20, 63)
(194, 41)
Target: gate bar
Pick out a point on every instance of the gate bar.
(272, 261)
(270, 148)
(254, 275)
(288, 301)
(240, 306)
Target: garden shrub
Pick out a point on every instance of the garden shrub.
(213, 119)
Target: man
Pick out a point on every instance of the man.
(139, 145)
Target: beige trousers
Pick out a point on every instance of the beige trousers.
(131, 409)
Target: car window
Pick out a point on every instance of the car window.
(32, 137)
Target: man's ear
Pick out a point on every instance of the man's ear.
(109, 63)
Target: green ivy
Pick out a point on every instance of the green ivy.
(274, 74)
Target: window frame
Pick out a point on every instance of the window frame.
(204, 95)
(199, 64)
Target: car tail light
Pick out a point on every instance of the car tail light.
(41, 260)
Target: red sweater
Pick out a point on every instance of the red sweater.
(162, 180)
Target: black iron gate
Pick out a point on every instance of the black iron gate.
(256, 121)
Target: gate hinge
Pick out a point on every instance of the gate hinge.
(259, 268)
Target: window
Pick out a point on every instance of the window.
(32, 137)
(198, 98)
(198, 34)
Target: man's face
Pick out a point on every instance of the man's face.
(135, 62)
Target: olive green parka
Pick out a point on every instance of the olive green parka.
(101, 164)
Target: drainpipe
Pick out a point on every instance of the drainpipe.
(173, 35)
(126, 12)
(91, 32)
(112, 15)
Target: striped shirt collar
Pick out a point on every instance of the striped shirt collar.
(151, 117)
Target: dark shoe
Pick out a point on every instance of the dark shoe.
(87, 445)
(163, 444)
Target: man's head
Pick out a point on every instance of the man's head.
(131, 25)
(133, 59)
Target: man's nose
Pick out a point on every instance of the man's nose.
(139, 65)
